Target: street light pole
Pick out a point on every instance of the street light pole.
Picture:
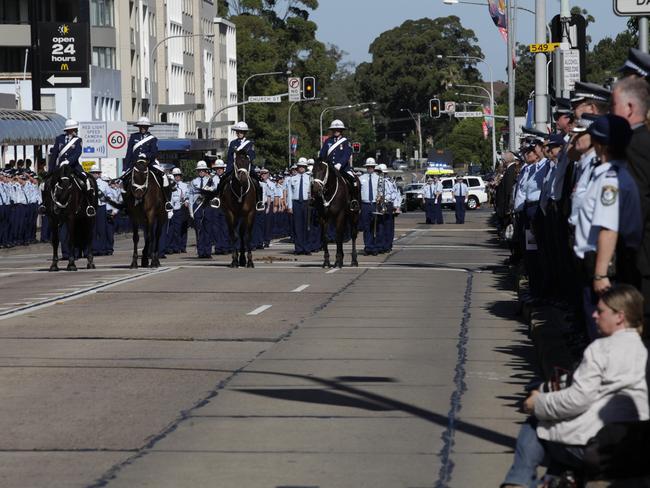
(541, 84)
(243, 89)
(418, 127)
(491, 95)
(511, 14)
(153, 51)
(289, 119)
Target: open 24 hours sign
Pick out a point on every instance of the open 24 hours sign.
(63, 52)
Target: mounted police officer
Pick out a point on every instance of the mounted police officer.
(67, 150)
(241, 144)
(144, 145)
(337, 151)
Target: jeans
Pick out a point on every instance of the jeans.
(531, 452)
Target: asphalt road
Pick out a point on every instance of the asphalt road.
(403, 372)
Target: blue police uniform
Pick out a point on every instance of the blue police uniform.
(112, 213)
(66, 147)
(4, 214)
(337, 150)
(299, 188)
(201, 220)
(460, 191)
(139, 143)
(235, 146)
(369, 187)
(100, 240)
(428, 192)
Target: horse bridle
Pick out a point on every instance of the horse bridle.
(241, 196)
(144, 186)
(323, 182)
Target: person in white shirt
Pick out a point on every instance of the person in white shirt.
(460, 190)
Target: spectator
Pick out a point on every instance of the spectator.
(608, 386)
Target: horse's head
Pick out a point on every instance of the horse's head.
(62, 186)
(242, 167)
(321, 174)
(140, 178)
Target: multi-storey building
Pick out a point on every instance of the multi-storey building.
(171, 60)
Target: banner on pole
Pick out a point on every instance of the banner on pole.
(497, 10)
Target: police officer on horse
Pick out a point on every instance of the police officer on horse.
(241, 144)
(337, 151)
(144, 145)
(67, 150)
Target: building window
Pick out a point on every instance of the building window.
(104, 57)
(14, 12)
(102, 13)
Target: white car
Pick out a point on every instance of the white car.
(477, 191)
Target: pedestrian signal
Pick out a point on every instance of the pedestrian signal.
(356, 147)
(309, 87)
(434, 108)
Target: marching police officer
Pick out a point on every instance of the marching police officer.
(338, 152)
(429, 196)
(67, 150)
(178, 223)
(299, 192)
(99, 236)
(201, 223)
(460, 191)
(369, 182)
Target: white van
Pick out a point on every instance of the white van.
(477, 191)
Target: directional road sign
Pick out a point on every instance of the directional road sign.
(266, 99)
(464, 115)
(450, 107)
(63, 50)
(294, 89)
(631, 8)
(547, 47)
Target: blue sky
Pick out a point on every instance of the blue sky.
(352, 25)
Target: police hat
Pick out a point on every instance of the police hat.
(637, 62)
(583, 123)
(611, 130)
(563, 106)
(590, 91)
(555, 140)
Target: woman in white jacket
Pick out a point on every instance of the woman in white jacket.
(608, 386)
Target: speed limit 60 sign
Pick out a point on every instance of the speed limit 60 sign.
(116, 138)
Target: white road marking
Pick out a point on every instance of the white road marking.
(333, 270)
(300, 288)
(78, 293)
(259, 310)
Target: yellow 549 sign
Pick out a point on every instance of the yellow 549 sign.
(547, 47)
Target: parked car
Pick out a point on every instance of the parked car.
(413, 198)
(477, 191)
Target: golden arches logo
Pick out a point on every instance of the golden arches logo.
(65, 67)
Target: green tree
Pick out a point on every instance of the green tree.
(608, 56)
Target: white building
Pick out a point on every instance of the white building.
(172, 60)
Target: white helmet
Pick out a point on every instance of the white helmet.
(177, 171)
(303, 160)
(381, 167)
(95, 169)
(143, 122)
(370, 162)
(71, 124)
(240, 127)
(264, 170)
(219, 164)
(337, 125)
(311, 161)
(201, 165)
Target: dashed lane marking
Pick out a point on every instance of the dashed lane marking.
(334, 270)
(259, 310)
(300, 288)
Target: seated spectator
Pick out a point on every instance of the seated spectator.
(608, 386)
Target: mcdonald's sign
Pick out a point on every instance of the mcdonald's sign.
(65, 67)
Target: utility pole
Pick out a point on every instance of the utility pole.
(541, 83)
(511, 13)
(643, 34)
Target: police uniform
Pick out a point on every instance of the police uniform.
(299, 192)
(66, 147)
(100, 240)
(429, 195)
(141, 146)
(201, 223)
(460, 191)
(111, 195)
(239, 145)
(369, 188)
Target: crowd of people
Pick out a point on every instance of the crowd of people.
(285, 206)
(574, 207)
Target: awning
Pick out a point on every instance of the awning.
(181, 145)
(29, 128)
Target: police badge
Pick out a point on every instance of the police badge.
(608, 195)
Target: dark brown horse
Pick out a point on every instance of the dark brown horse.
(238, 206)
(332, 200)
(66, 203)
(145, 204)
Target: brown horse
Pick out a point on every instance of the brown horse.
(332, 196)
(238, 205)
(65, 203)
(145, 204)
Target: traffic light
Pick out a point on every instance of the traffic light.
(309, 87)
(434, 108)
(356, 147)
